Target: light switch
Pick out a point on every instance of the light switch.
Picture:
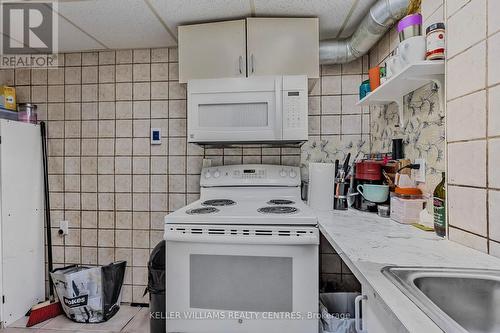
(156, 136)
(63, 228)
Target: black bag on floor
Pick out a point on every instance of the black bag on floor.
(89, 294)
(156, 289)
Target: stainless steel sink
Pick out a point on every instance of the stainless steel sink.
(456, 299)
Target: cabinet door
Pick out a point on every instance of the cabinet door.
(283, 46)
(212, 50)
(377, 318)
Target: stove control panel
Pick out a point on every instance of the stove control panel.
(250, 174)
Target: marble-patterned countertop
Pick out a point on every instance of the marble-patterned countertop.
(367, 243)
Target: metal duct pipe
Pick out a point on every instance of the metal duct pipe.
(376, 23)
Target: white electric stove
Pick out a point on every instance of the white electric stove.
(243, 258)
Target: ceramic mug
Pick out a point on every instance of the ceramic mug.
(393, 66)
(374, 193)
(412, 50)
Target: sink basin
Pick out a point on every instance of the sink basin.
(458, 300)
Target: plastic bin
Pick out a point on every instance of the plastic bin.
(337, 312)
(156, 289)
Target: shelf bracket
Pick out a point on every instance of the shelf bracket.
(438, 80)
(401, 108)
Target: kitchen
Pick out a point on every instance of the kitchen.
(205, 124)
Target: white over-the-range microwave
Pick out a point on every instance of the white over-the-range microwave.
(266, 109)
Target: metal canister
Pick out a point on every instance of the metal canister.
(410, 26)
(435, 41)
(27, 113)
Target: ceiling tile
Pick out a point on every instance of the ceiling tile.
(331, 13)
(133, 24)
(179, 12)
(118, 23)
(358, 14)
(72, 39)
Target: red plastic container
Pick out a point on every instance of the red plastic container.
(369, 170)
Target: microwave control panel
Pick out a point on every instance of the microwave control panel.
(295, 107)
(292, 107)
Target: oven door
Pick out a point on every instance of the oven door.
(235, 110)
(241, 279)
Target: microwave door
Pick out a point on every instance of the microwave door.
(234, 117)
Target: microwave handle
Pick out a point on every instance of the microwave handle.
(280, 114)
(240, 64)
(252, 64)
(237, 239)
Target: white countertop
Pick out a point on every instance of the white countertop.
(367, 243)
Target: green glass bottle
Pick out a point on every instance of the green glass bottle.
(440, 208)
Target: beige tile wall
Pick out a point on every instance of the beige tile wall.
(473, 123)
(115, 188)
(336, 125)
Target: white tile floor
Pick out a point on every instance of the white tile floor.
(128, 319)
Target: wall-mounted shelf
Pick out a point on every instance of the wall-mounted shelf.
(8, 114)
(411, 78)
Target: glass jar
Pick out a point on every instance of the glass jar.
(27, 113)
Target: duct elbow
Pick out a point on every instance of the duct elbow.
(375, 24)
(333, 51)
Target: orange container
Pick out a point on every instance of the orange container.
(374, 75)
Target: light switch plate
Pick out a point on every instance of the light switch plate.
(420, 173)
(156, 136)
(64, 228)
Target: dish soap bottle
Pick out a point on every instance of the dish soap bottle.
(440, 208)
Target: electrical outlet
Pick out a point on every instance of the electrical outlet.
(63, 228)
(419, 175)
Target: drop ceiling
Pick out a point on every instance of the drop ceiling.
(117, 24)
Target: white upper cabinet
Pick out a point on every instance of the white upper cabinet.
(283, 46)
(255, 46)
(212, 50)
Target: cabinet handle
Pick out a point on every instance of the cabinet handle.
(240, 64)
(252, 63)
(357, 312)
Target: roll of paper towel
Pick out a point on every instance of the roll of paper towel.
(321, 186)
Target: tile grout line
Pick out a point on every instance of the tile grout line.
(472, 233)
(487, 131)
(472, 92)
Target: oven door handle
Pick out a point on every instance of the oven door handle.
(238, 239)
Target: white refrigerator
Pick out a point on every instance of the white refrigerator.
(22, 266)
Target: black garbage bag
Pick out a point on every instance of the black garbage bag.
(156, 289)
(89, 294)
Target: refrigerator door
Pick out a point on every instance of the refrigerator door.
(21, 227)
